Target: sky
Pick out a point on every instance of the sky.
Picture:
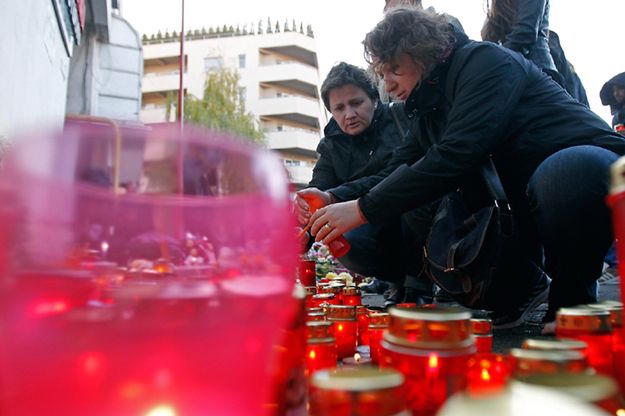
(591, 33)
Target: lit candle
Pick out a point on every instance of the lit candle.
(483, 334)
(618, 338)
(351, 296)
(321, 349)
(306, 272)
(362, 391)
(592, 326)
(345, 328)
(431, 347)
(363, 322)
(356, 361)
(527, 363)
(322, 298)
(378, 323)
(487, 373)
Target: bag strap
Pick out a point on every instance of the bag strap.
(397, 108)
(493, 184)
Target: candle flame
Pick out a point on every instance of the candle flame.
(104, 246)
(162, 410)
(340, 327)
(312, 354)
(620, 412)
(357, 357)
(433, 361)
(485, 375)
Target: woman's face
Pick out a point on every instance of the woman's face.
(401, 76)
(352, 108)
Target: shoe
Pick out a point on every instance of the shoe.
(375, 286)
(609, 277)
(511, 319)
(396, 295)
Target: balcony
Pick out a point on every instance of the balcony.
(293, 76)
(153, 114)
(300, 174)
(161, 82)
(296, 109)
(302, 142)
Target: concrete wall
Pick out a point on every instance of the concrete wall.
(34, 67)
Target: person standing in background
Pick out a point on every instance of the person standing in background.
(613, 94)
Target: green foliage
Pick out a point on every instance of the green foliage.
(222, 107)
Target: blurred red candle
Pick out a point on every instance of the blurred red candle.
(363, 322)
(378, 323)
(487, 373)
(618, 338)
(528, 363)
(345, 328)
(320, 346)
(592, 326)
(322, 298)
(431, 348)
(357, 391)
(306, 272)
(310, 292)
(483, 334)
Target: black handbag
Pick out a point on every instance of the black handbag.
(477, 257)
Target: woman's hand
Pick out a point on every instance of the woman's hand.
(334, 220)
(309, 200)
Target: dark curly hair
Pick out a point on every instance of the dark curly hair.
(500, 17)
(343, 74)
(422, 34)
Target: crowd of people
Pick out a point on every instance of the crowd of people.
(455, 105)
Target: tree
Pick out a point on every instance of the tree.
(222, 107)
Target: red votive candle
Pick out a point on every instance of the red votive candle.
(351, 296)
(592, 326)
(320, 346)
(526, 362)
(321, 298)
(337, 290)
(378, 323)
(488, 373)
(618, 338)
(555, 345)
(483, 334)
(345, 328)
(431, 348)
(357, 391)
(306, 272)
(315, 316)
(363, 322)
(310, 292)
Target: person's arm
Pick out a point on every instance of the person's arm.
(524, 32)
(486, 92)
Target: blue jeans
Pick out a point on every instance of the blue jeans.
(567, 208)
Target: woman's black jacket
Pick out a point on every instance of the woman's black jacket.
(483, 100)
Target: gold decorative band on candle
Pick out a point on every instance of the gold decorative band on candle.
(430, 328)
(583, 318)
(351, 291)
(554, 344)
(312, 310)
(315, 316)
(531, 362)
(362, 391)
(341, 313)
(318, 329)
(596, 389)
(614, 307)
(379, 318)
(481, 326)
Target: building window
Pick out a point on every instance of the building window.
(242, 93)
(290, 162)
(279, 127)
(212, 63)
(242, 61)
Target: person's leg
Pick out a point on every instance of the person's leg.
(566, 197)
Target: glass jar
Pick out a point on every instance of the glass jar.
(618, 338)
(378, 323)
(359, 391)
(320, 346)
(527, 362)
(345, 328)
(351, 296)
(483, 334)
(431, 348)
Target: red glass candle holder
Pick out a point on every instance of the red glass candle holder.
(406, 305)
(306, 272)
(363, 322)
(488, 373)
(592, 326)
(345, 328)
(321, 349)
(337, 290)
(360, 391)
(310, 292)
(483, 334)
(526, 362)
(315, 316)
(618, 338)
(431, 348)
(351, 296)
(378, 323)
(323, 298)
(555, 344)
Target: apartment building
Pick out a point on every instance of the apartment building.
(279, 81)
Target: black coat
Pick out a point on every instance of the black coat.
(482, 100)
(607, 98)
(346, 162)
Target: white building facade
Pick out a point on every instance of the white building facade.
(279, 80)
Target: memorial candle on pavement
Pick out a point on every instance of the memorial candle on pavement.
(310, 292)
(345, 328)
(363, 322)
(320, 346)
(306, 272)
(483, 334)
(526, 362)
(351, 296)
(488, 373)
(592, 326)
(378, 323)
(321, 298)
(431, 348)
(618, 338)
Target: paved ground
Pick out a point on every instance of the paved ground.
(505, 339)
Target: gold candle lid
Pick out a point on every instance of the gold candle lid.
(583, 318)
(361, 309)
(351, 291)
(532, 362)
(357, 380)
(341, 313)
(554, 344)
(617, 173)
(591, 388)
(323, 296)
(615, 308)
(430, 328)
(318, 329)
(481, 326)
(379, 318)
(310, 310)
(310, 290)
